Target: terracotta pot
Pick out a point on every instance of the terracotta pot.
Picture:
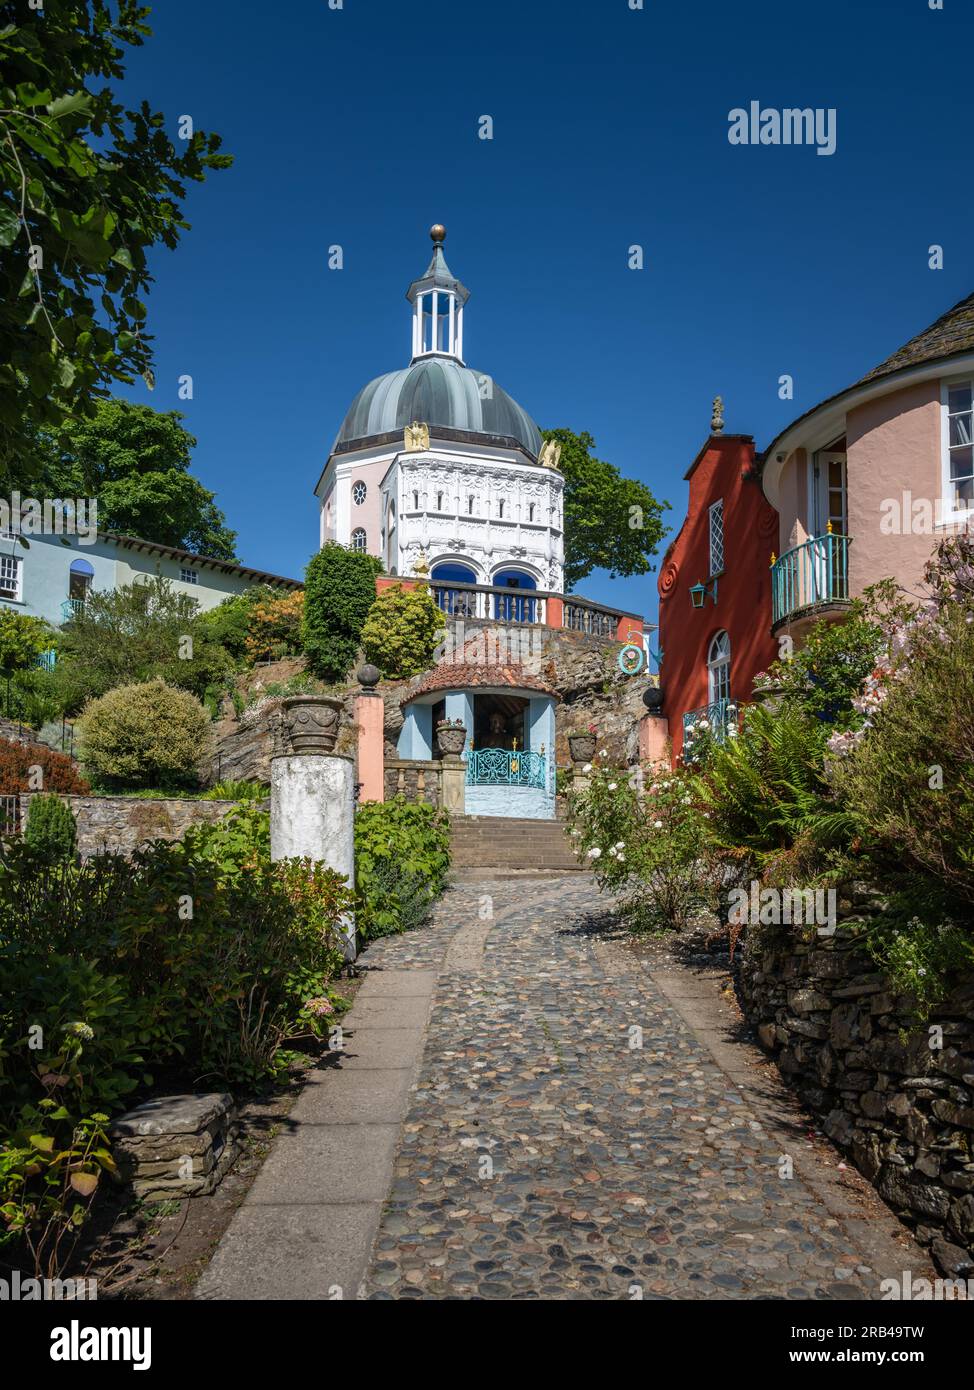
(451, 740)
(581, 747)
(311, 723)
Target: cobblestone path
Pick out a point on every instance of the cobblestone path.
(543, 1155)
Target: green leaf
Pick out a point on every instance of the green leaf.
(44, 1142)
(68, 105)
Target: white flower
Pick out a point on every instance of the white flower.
(621, 858)
(658, 824)
(612, 786)
(620, 844)
(587, 767)
(594, 853)
(603, 753)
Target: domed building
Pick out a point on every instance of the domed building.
(436, 464)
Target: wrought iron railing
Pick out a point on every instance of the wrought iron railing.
(713, 719)
(815, 572)
(9, 815)
(500, 767)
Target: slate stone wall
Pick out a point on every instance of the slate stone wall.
(122, 823)
(896, 1096)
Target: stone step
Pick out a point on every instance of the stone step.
(486, 842)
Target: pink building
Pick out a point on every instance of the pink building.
(868, 482)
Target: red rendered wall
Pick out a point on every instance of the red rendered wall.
(724, 468)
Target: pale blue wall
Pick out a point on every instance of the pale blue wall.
(46, 565)
(416, 734)
(530, 802)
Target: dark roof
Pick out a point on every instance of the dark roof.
(463, 675)
(439, 392)
(207, 561)
(952, 333)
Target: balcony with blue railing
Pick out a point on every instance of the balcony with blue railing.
(500, 767)
(812, 577)
(70, 608)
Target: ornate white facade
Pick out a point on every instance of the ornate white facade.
(466, 490)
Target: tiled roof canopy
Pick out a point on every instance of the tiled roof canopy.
(462, 675)
(952, 333)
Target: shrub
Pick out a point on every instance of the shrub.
(242, 790)
(402, 630)
(769, 808)
(35, 767)
(908, 781)
(339, 590)
(402, 856)
(31, 697)
(274, 629)
(824, 675)
(147, 734)
(211, 995)
(139, 632)
(647, 844)
(22, 639)
(50, 827)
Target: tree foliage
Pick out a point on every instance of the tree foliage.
(50, 827)
(402, 630)
(339, 590)
(135, 633)
(135, 461)
(87, 189)
(22, 639)
(611, 522)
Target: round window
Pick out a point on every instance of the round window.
(358, 493)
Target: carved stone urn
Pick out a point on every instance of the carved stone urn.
(451, 739)
(311, 723)
(581, 747)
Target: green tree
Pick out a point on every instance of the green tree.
(611, 522)
(828, 670)
(136, 633)
(339, 590)
(87, 189)
(136, 460)
(402, 630)
(22, 639)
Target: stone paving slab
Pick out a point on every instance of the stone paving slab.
(327, 1163)
(291, 1252)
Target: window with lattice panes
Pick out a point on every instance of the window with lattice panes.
(717, 538)
(359, 541)
(9, 577)
(960, 444)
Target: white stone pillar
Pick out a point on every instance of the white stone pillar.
(313, 816)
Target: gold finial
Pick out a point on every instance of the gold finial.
(773, 558)
(829, 528)
(717, 418)
(438, 232)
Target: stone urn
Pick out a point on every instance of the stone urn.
(653, 698)
(581, 747)
(450, 739)
(311, 723)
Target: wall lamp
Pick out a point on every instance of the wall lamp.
(699, 592)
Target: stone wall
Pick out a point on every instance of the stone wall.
(903, 1109)
(123, 823)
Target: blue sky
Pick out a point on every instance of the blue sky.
(359, 127)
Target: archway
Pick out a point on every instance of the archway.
(513, 608)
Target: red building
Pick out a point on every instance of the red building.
(714, 635)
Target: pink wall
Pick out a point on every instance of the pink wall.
(893, 446)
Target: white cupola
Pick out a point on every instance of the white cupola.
(438, 299)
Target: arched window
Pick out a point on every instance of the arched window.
(500, 507)
(439, 501)
(530, 511)
(718, 668)
(459, 602)
(359, 491)
(359, 539)
(79, 578)
(511, 608)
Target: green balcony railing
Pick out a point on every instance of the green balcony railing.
(70, 607)
(814, 573)
(498, 767)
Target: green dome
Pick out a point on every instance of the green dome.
(438, 391)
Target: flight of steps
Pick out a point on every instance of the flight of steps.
(495, 842)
